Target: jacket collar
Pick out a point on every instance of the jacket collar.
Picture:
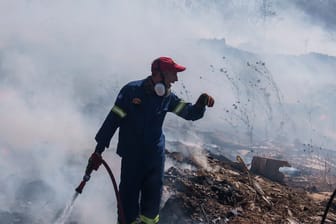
(148, 85)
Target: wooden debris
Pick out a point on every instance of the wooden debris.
(209, 195)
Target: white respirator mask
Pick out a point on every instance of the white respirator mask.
(160, 89)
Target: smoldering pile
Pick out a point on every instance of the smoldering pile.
(223, 192)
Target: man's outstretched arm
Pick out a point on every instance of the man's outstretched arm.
(189, 111)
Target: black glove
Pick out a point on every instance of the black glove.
(205, 100)
(95, 161)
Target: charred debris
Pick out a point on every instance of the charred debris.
(227, 191)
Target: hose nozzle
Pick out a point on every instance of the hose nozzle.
(80, 187)
(93, 164)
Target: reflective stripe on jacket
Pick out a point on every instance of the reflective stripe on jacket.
(139, 114)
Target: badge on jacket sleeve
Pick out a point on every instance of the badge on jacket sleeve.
(136, 101)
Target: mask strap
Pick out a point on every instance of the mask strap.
(161, 74)
(161, 88)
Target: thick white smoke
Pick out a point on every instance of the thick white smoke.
(63, 62)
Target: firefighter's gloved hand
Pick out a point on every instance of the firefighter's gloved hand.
(205, 100)
(95, 161)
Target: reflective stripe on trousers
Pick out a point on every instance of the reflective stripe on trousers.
(145, 220)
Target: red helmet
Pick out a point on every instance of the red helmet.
(163, 64)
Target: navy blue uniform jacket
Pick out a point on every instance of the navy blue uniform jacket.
(139, 113)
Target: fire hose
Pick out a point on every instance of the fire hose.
(328, 206)
(86, 178)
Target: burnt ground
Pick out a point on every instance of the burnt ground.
(223, 193)
(216, 192)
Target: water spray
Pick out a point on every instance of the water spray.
(67, 211)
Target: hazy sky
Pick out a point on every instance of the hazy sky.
(320, 12)
(63, 62)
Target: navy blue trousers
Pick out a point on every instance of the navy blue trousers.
(140, 185)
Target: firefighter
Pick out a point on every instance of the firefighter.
(139, 112)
